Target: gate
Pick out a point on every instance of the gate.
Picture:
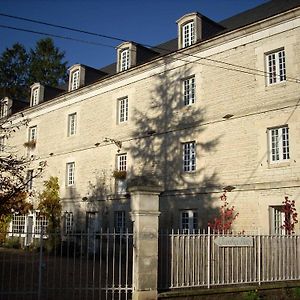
(75, 266)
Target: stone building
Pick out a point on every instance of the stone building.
(214, 109)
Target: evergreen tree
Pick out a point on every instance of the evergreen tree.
(20, 69)
(14, 72)
(46, 64)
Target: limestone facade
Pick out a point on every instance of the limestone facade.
(228, 123)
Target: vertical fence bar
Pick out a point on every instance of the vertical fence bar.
(259, 257)
(40, 264)
(208, 257)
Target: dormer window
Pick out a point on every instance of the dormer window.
(127, 56)
(5, 107)
(37, 94)
(124, 60)
(75, 80)
(35, 97)
(188, 34)
(77, 77)
(189, 29)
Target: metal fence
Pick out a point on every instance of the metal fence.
(75, 266)
(205, 259)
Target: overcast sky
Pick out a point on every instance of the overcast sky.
(146, 22)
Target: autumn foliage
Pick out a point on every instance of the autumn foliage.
(290, 214)
(50, 205)
(223, 222)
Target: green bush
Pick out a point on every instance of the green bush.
(13, 243)
(296, 293)
(251, 295)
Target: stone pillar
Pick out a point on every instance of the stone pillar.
(145, 213)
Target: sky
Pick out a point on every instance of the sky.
(145, 22)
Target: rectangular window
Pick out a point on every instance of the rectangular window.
(123, 109)
(189, 156)
(277, 218)
(275, 62)
(2, 143)
(3, 109)
(122, 162)
(70, 174)
(124, 60)
(188, 34)
(41, 222)
(68, 222)
(189, 91)
(75, 80)
(29, 180)
(72, 120)
(119, 221)
(32, 133)
(279, 144)
(188, 220)
(18, 224)
(35, 97)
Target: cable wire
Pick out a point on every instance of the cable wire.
(246, 70)
(57, 36)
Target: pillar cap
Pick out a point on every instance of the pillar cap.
(145, 188)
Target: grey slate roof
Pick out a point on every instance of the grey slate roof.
(266, 10)
(260, 12)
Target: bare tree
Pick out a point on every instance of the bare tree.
(13, 171)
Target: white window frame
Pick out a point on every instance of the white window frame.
(279, 150)
(123, 110)
(277, 217)
(70, 174)
(122, 162)
(189, 90)
(276, 67)
(32, 134)
(3, 109)
(189, 220)
(75, 80)
(119, 221)
(35, 96)
(18, 224)
(189, 156)
(124, 59)
(68, 222)
(40, 222)
(72, 124)
(188, 34)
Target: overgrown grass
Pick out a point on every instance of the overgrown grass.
(251, 295)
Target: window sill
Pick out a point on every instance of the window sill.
(122, 123)
(189, 173)
(276, 85)
(189, 106)
(279, 164)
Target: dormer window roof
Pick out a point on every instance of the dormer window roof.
(81, 75)
(195, 27)
(76, 78)
(189, 30)
(37, 94)
(126, 54)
